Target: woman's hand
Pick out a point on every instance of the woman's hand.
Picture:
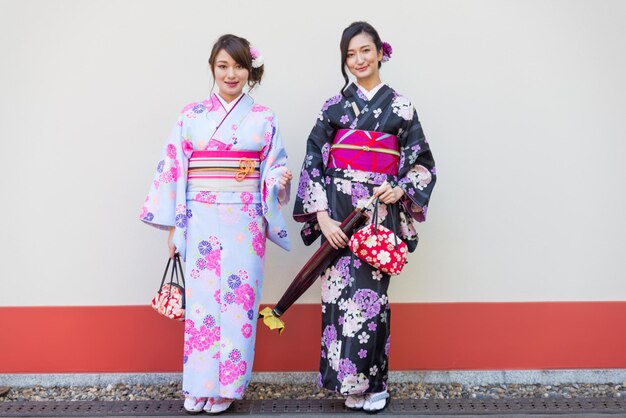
(170, 243)
(332, 232)
(284, 182)
(285, 179)
(388, 195)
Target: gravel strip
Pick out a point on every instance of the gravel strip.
(122, 392)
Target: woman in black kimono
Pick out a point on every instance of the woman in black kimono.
(367, 134)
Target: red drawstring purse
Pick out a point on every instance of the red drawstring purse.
(379, 246)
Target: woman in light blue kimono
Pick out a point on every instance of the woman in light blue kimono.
(218, 189)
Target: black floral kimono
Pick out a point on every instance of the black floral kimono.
(355, 306)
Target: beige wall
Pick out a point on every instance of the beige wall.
(523, 103)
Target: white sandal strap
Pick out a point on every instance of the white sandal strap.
(375, 397)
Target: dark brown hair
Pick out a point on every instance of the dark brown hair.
(350, 32)
(239, 49)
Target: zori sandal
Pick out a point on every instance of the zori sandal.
(218, 406)
(194, 405)
(376, 402)
(355, 402)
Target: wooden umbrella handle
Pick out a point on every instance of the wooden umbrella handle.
(369, 202)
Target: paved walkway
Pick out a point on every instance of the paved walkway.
(581, 407)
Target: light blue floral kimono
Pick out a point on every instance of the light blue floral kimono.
(221, 235)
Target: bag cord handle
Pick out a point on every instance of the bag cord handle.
(390, 210)
(167, 267)
(180, 279)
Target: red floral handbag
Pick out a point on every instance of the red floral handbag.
(379, 246)
(170, 299)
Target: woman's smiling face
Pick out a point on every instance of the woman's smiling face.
(229, 76)
(363, 58)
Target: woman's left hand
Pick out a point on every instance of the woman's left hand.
(284, 182)
(388, 195)
(285, 179)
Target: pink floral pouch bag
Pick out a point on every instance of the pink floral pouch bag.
(170, 298)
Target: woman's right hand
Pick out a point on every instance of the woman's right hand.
(332, 232)
(170, 242)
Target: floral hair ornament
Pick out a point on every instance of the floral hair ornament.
(257, 58)
(387, 50)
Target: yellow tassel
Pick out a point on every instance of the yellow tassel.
(271, 320)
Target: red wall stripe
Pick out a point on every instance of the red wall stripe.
(425, 336)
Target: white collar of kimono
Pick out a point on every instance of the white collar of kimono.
(371, 93)
(227, 105)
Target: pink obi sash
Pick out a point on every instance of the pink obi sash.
(224, 171)
(372, 151)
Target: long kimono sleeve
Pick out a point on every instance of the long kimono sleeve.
(165, 206)
(273, 165)
(311, 197)
(416, 174)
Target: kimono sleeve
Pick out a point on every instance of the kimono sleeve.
(417, 173)
(273, 165)
(165, 204)
(311, 197)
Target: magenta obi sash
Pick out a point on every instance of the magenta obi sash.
(372, 151)
(224, 171)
